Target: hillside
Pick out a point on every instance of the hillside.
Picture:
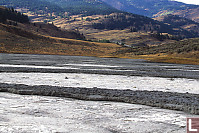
(180, 23)
(37, 6)
(156, 8)
(181, 52)
(192, 14)
(39, 38)
(51, 9)
(26, 42)
(17, 19)
(85, 7)
(11, 14)
(138, 23)
(124, 28)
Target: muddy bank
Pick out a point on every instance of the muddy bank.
(167, 100)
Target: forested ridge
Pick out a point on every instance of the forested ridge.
(11, 14)
(137, 23)
(149, 7)
(59, 7)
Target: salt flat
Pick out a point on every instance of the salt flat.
(180, 85)
(35, 114)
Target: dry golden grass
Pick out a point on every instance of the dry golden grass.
(40, 44)
(167, 58)
(80, 22)
(127, 37)
(10, 43)
(121, 36)
(85, 27)
(176, 60)
(77, 47)
(20, 41)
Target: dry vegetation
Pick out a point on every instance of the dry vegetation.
(16, 40)
(170, 58)
(180, 52)
(127, 37)
(47, 39)
(116, 36)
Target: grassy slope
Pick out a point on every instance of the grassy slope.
(15, 40)
(180, 52)
(170, 58)
(148, 7)
(90, 33)
(127, 37)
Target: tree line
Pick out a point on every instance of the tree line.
(11, 14)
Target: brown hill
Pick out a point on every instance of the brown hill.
(41, 38)
(11, 17)
(51, 30)
(190, 13)
(181, 52)
(142, 36)
(180, 23)
(14, 39)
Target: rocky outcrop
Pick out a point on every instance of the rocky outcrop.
(168, 100)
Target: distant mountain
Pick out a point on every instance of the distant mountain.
(51, 10)
(32, 5)
(180, 23)
(156, 8)
(192, 14)
(64, 8)
(60, 7)
(17, 36)
(87, 7)
(137, 23)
